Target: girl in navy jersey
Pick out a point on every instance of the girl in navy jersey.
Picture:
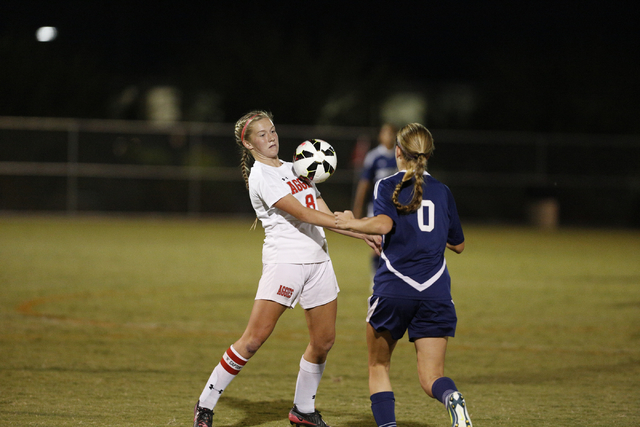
(417, 216)
(379, 163)
(296, 269)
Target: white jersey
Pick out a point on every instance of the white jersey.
(287, 240)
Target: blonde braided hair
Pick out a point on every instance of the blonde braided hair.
(416, 145)
(242, 132)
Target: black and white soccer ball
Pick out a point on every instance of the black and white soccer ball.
(315, 160)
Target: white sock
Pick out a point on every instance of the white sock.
(222, 375)
(307, 385)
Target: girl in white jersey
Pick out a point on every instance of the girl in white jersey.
(296, 269)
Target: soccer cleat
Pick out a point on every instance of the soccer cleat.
(457, 408)
(301, 419)
(202, 417)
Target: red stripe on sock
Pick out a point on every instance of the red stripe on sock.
(228, 368)
(235, 358)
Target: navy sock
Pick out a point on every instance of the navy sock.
(383, 408)
(443, 387)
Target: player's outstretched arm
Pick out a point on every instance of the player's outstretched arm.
(292, 206)
(379, 224)
(373, 241)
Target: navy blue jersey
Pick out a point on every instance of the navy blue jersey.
(413, 264)
(379, 163)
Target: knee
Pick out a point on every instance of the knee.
(379, 366)
(325, 345)
(328, 345)
(321, 348)
(253, 346)
(249, 345)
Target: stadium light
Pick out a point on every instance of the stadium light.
(46, 34)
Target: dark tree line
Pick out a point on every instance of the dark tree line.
(569, 71)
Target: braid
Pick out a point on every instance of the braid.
(244, 165)
(416, 202)
(416, 145)
(242, 131)
(401, 208)
(415, 171)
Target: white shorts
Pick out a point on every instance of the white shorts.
(311, 284)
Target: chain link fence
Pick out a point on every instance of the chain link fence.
(107, 166)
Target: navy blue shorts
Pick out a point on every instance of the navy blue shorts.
(423, 318)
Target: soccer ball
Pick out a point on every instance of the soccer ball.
(315, 160)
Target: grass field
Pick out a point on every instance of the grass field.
(118, 322)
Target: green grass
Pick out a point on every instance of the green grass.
(118, 322)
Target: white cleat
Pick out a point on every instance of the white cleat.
(457, 408)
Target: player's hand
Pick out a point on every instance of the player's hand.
(342, 219)
(374, 242)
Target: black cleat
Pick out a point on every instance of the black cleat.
(300, 419)
(202, 417)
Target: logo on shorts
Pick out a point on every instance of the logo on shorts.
(285, 292)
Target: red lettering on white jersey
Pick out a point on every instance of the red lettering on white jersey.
(297, 185)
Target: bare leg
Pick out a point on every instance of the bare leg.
(262, 322)
(321, 322)
(380, 345)
(430, 358)
(431, 353)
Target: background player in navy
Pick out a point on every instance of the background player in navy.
(296, 269)
(417, 216)
(379, 162)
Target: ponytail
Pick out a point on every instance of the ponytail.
(416, 145)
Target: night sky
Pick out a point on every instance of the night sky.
(536, 66)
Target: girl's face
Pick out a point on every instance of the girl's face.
(387, 136)
(263, 141)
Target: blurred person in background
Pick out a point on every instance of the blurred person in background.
(418, 219)
(296, 269)
(379, 162)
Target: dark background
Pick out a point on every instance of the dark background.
(532, 66)
(527, 100)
